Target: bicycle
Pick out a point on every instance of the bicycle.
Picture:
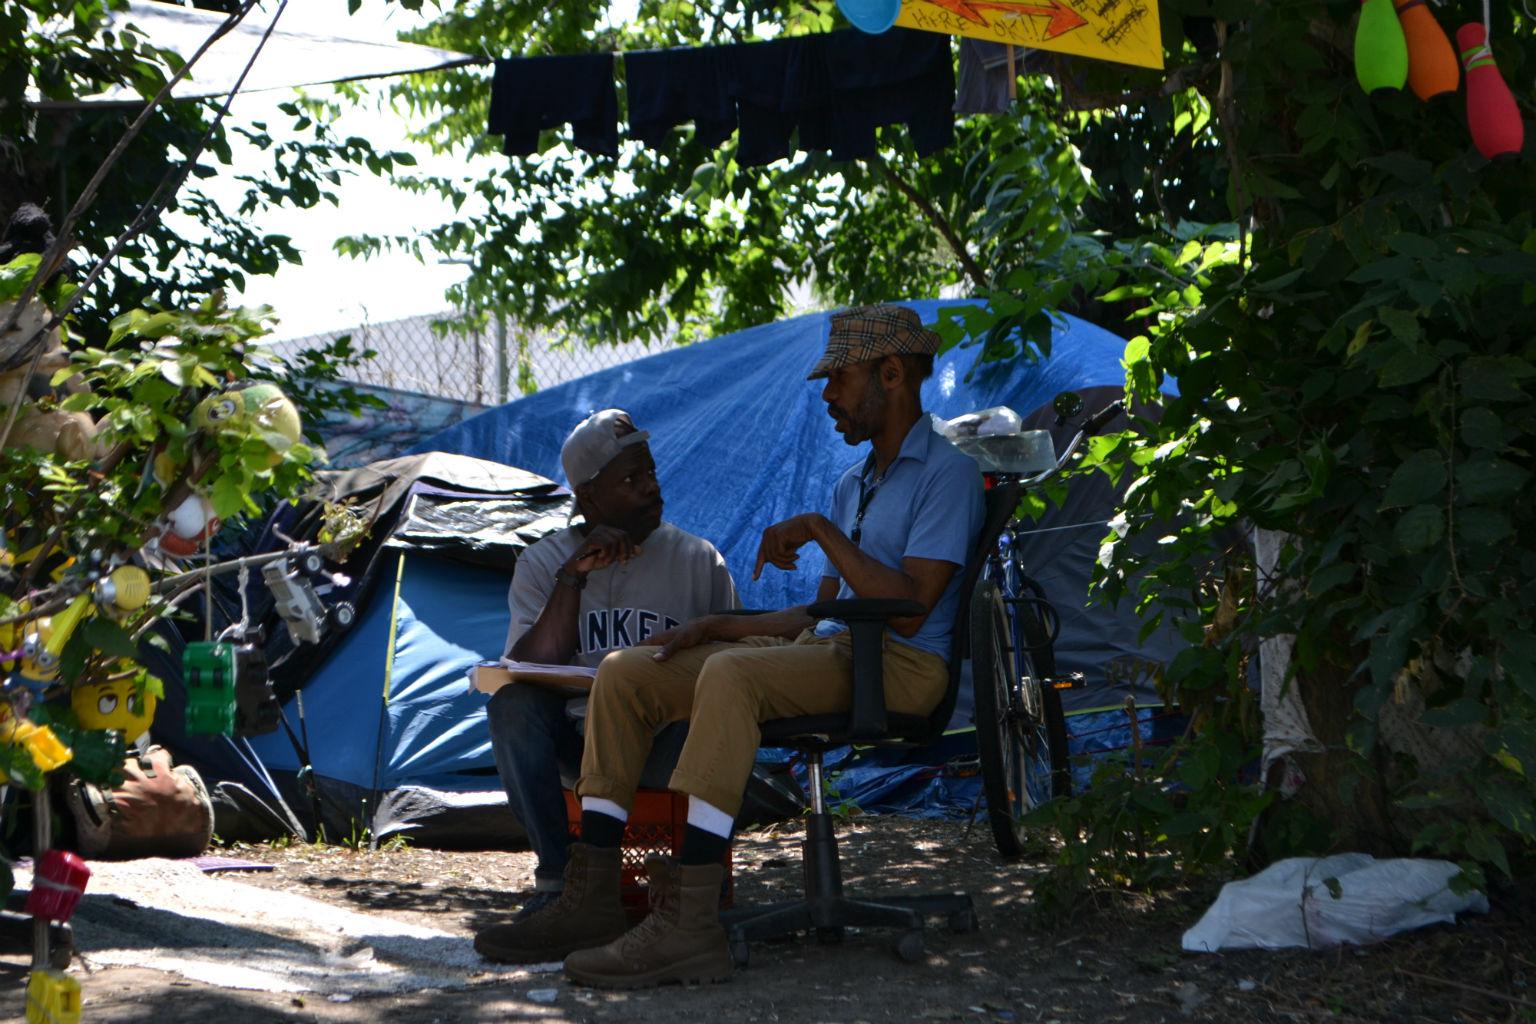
(1021, 730)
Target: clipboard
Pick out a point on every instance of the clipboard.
(569, 680)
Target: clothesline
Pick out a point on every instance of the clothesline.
(826, 92)
(1057, 529)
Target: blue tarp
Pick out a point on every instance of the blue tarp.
(924, 784)
(742, 440)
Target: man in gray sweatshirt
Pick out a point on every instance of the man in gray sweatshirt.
(616, 578)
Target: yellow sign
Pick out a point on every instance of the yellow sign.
(1120, 30)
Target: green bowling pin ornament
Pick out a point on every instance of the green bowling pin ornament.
(1381, 49)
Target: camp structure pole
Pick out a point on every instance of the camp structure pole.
(306, 776)
(42, 839)
(53, 997)
(503, 367)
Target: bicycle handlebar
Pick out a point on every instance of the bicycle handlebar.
(1092, 425)
(1096, 422)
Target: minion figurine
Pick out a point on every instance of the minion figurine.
(39, 667)
(43, 644)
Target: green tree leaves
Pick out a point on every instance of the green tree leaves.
(1362, 383)
(1417, 478)
(1421, 527)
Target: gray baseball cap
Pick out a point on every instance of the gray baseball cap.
(597, 441)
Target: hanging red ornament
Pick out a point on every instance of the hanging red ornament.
(1494, 118)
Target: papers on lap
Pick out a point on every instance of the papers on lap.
(572, 680)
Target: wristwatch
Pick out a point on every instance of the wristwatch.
(570, 579)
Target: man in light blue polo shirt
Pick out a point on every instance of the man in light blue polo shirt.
(915, 507)
(903, 522)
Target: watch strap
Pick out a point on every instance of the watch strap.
(570, 579)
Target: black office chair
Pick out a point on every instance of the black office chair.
(824, 908)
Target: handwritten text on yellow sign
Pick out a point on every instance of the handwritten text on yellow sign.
(1120, 30)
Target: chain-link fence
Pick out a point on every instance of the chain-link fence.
(484, 367)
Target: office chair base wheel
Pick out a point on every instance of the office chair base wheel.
(910, 946)
(962, 921)
(741, 953)
(828, 936)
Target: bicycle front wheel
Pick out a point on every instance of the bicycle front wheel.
(1043, 727)
(1020, 732)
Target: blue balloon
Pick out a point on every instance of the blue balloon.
(872, 16)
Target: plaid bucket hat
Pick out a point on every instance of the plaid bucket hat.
(873, 332)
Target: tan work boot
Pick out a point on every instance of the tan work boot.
(587, 914)
(681, 939)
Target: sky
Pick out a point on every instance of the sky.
(329, 291)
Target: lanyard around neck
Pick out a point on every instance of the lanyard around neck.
(867, 492)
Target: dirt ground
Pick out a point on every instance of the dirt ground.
(1119, 963)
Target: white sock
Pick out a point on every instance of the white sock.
(708, 817)
(601, 806)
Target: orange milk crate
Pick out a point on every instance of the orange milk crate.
(655, 825)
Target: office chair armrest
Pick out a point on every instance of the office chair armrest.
(877, 609)
(866, 618)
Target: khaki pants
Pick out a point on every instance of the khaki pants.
(725, 690)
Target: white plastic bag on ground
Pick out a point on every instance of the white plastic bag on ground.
(1316, 902)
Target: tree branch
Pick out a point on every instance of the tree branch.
(938, 220)
(164, 192)
(53, 259)
(1226, 116)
